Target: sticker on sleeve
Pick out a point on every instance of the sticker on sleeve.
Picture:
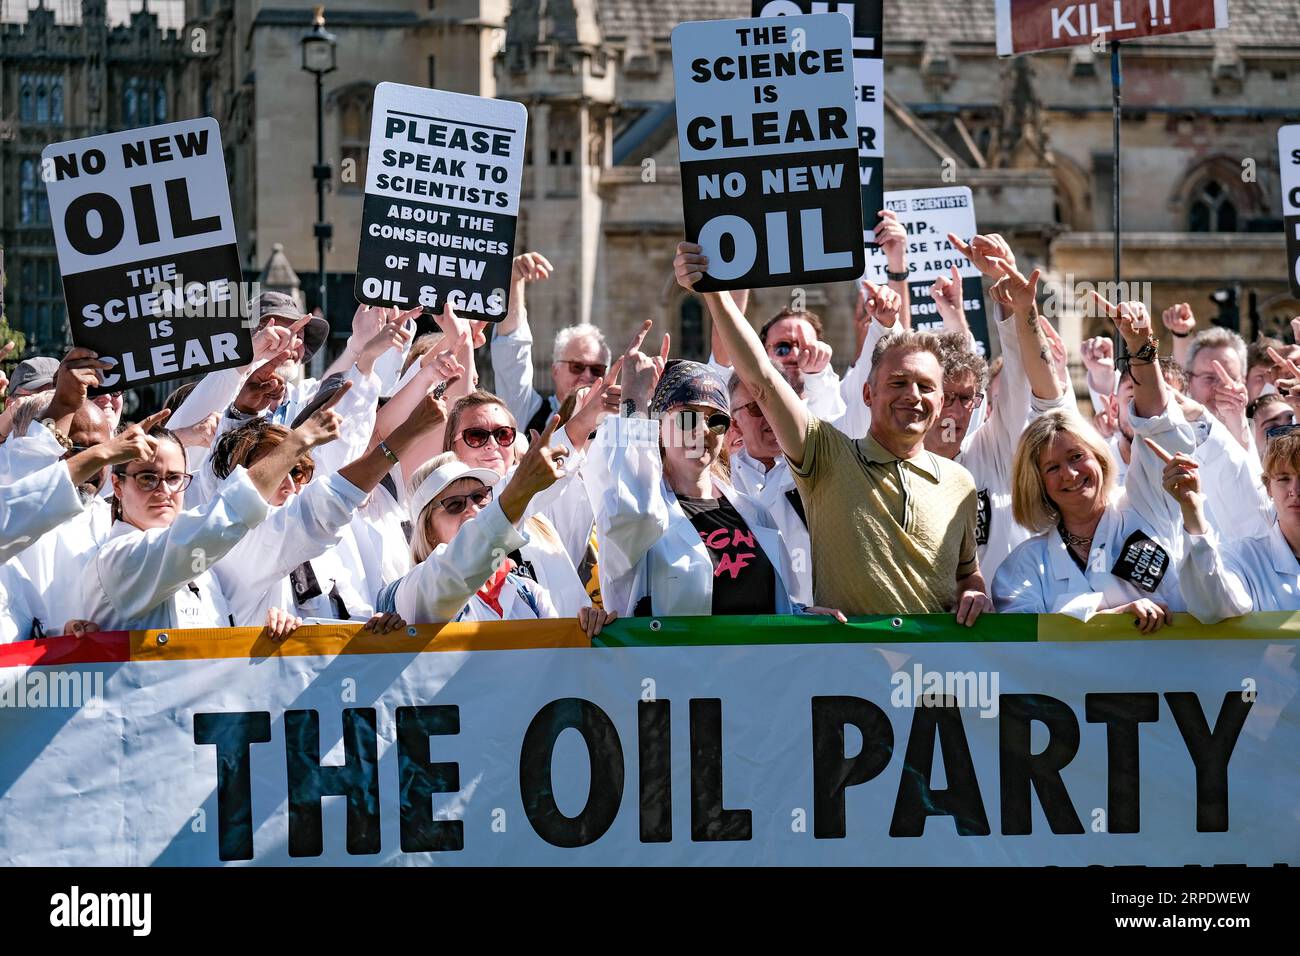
(983, 518)
(1141, 562)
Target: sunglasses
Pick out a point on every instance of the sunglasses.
(1277, 431)
(301, 474)
(456, 504)
(577, 368)
(174, 482)
(688, 420)
(750, 408)
(478, 437)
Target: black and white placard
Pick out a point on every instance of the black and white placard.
(441, 202)
(1288, 145)
(867, 17)
(929, 215)
(146, 244)
(767, 142)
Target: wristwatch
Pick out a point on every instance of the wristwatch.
(898, 276)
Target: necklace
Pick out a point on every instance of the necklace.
(1074, 540)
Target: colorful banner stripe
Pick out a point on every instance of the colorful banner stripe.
(250, 642)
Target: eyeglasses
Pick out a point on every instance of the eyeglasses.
(577, 368)
(478, 437)
(782, 349)
(750, 408)
(174, 482)
(1277, 431)
(301, 474)
(456, 504)
(688, 420)
(968, 402)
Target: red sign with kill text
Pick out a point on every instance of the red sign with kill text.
(1027, 25)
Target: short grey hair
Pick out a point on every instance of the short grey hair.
(583, 331)
(1216, 336)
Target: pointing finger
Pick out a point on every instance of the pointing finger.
(640, 335)
(666, 347)
(154, 420)
(1160, 453)
(962, 247)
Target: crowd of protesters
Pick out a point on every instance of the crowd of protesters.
(394, 491)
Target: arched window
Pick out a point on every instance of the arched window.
(33, 209)
(27, 100)
(1211, 209)
(130, 98)
(354, 136)
(56, 100)
(160, 103)
(691, 341)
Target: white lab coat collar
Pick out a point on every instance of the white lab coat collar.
(1062, 565)
(1280, 553)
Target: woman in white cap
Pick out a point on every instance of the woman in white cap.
(462, 533)
(154, 570)
(675, 537)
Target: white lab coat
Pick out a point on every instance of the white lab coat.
(1227, 579)
(57, 563)
(512, 373)
(771, 489)
(376, 549)
(161, 578)
(647, 544)
(856, 420)
(443, 587)
(23, 454)
(1040, 577)
(34, 504)
(254, 575)
(23, 615)
(1235, 502)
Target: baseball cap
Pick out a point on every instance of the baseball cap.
(33, 375)
(271, 305)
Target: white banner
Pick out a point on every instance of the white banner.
(1153, 752)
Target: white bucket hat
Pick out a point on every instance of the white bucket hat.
(440, 478)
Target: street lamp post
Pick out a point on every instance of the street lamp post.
(318, 57)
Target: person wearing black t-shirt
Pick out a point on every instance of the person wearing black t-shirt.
(675, 537)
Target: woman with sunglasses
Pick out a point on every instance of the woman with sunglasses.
(1226, 578)
(481, 432)
(303, 559)
(675, 536)
(461, 532)
(154, 570)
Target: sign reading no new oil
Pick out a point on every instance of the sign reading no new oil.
(441, 202)
(767, 137)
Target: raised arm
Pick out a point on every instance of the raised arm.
(1019, 294)
(891, 236)
(1181, 323)
(784, 410)
(1150, 395)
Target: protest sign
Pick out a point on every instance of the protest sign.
(867, 17)
(1288, 145)
(707, 741)
(146, 244)
(929, 215)
(766, 139)
(441, 202)
(1027, 25)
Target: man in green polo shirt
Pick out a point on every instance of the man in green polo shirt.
(892, 525)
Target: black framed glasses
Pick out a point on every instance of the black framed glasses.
(968, 402)
(175, 482)
(456, 504)
(478, 437)
(688, 420)
(596, 368)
